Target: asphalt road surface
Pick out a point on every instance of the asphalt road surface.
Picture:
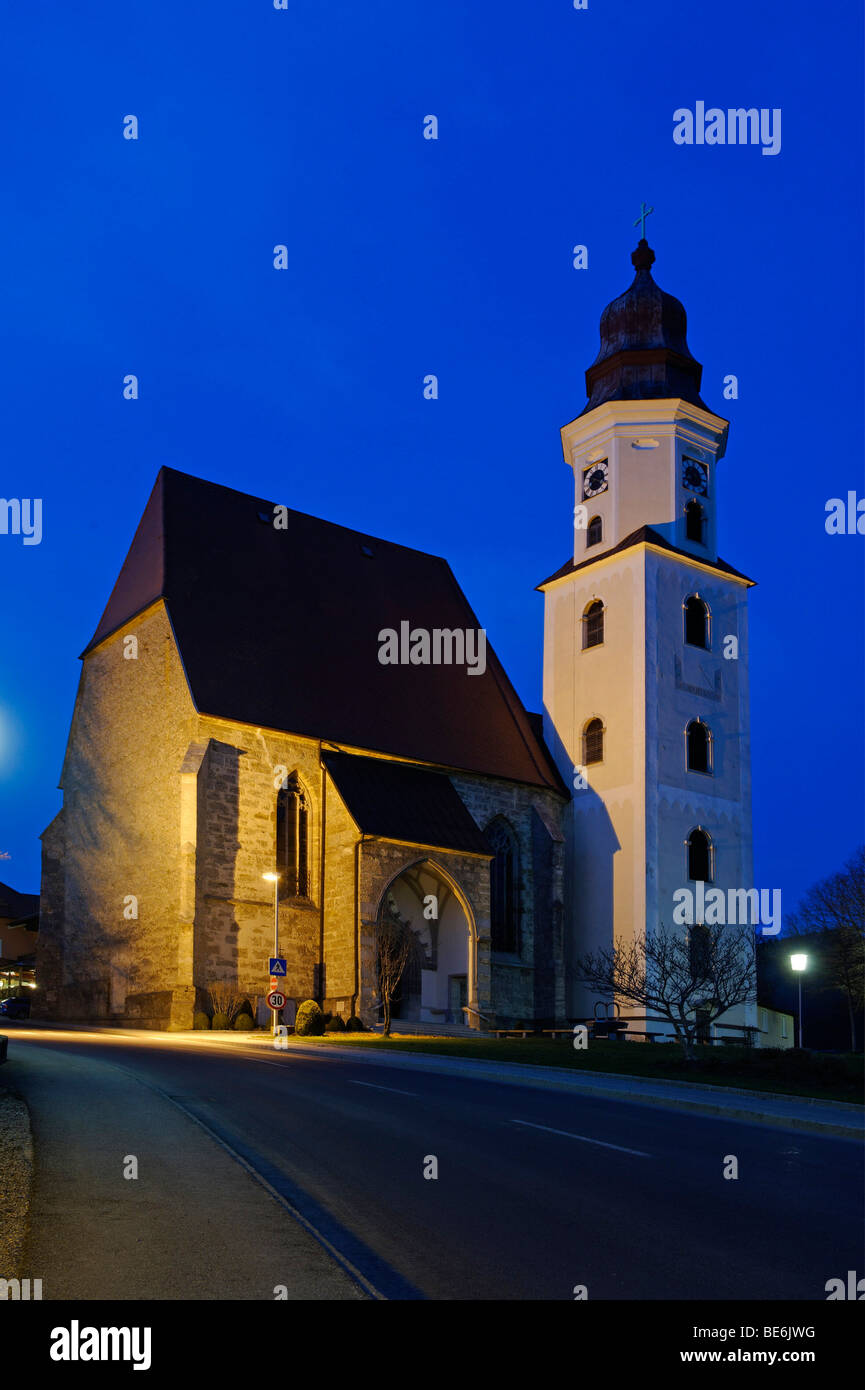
(260, 1170)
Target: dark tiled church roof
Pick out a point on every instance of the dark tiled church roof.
(400, 802)
(643, 535)
(278, 628)
(17, 905)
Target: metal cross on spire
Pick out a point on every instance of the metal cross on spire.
(641, 220)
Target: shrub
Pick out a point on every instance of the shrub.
(244, 1022)
(327, 1018)
(246, 1010)
(336, 1025)
(224, 1000)
(221, 1021)
(309, 1021)
(201, 1021)
(355, 1025)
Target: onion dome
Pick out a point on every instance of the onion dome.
(644, 352)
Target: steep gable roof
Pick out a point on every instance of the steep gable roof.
(278, 628)
(17, 905)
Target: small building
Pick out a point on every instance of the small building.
(776, 1029)
(19, 929)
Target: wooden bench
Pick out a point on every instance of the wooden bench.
(511, 1032)
(561, 1032)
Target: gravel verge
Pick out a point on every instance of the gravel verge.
(16, 1173)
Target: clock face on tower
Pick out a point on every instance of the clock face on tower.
(595, 478)
(695, 476)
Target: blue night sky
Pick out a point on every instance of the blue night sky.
(409, 256)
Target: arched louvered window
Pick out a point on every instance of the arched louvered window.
(504, 887)
(699, 856)
(694, 522)
(593, 624)
(593, 742)
(699, 741)
(696, 622)
(595, 531)
(292, 839)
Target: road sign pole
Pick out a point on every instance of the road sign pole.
(275, 938)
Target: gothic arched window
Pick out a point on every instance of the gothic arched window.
(699, 856)
(292, 839)
(504, 888)
(694, 518)
(696, 622)
(595, 531)
(593, 624)
(699, 740)
(593, 742)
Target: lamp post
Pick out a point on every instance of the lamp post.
(799, 963)
(274, 879)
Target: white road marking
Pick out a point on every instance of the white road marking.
(584, 1139)
(373, 1087)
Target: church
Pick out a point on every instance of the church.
(267, 693)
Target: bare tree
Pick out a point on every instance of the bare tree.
(393, 944)
(836, 906)
(224, 999)
(687, 978)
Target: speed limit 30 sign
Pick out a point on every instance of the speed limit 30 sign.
(276, 1000)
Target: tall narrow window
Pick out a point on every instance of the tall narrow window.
(700, 952)
(696, 622)
(292, 839)
(694, 519)
(593, 742)
(699, 742)
(593, 624)
(504, 881)
(699, 857)
(594, 531)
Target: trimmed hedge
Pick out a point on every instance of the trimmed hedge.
(355, 1025)
(220, 1021)
(201, 1021)
(244, 1022)
(336, 1025)
(309, 1021)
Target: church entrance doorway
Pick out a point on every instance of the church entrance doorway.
(435, 982)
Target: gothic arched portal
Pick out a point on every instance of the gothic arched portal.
(441, 969)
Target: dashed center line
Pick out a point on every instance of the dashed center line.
(372, 1086)
(583, 1138)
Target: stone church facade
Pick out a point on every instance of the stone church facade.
(173, 810)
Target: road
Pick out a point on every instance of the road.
(537, 1191)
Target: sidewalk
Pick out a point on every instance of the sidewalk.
(830, 1118)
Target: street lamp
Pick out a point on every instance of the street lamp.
(799, 963)
(274, 879)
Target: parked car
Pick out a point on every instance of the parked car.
(15, 1008)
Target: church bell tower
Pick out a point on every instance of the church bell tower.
(646, 639)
